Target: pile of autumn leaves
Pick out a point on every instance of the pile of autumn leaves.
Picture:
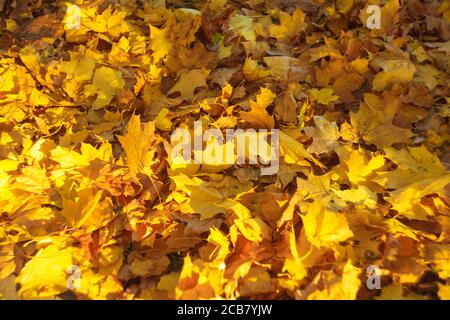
(94, 206)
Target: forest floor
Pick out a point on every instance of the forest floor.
(96, 203)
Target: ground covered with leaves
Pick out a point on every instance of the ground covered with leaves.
(93, 207)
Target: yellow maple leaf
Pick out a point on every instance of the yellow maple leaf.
(394, 71)
(97, 286)
(374, 121)
(105, 84)
(190, 81)
(161, 121)
(80, 66)
(258, 117)
(429, 75)
(138, 144)
(323, 96)
(253, 71)
(290, 25)
(324, 227)
(324, 134)
(179, 30)
(45, 275)
(337, 287)
(294, 152)
(244, 26)
(407, 200)
(359, 166)
(413, 164)
(87, 210)
(252, 228)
